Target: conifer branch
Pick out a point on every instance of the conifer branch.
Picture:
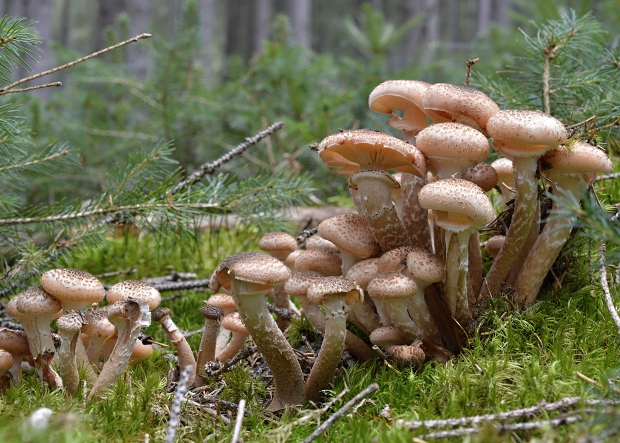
(550, 52)
(34, 162)
(73, 63)
(32, 88)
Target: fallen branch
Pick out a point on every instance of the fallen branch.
(603, 278)
(341, 412)
(238, 421)
(175, 413)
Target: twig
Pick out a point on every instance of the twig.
(283, 313)
(606, 176)
(238, 421)
(550, 52)
(306, 234)
(216, 368)
(73, 63)
(603, 278)
(32, 88)
(175, 413)
(37, 161)
(470, 63)
(210, 168)
(212, 412)
(181, 285)
(581, 123)
(115, 273)
(341, 412)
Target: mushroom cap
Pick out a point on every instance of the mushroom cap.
(278, 244)
(140, 351)
(407, 355)
(505, 171)
(482, 174)
(453, 140)
(160, 313)
(457, 204)
(425, 267)
(36, 301)
(232, 322)
(298, 284)
(351, 233)
(6, 361)
(136, 289)
(318, 242)
(525, 133)
(370, 149)
(260, 270)
(292, 257)
(70, 322)
(327, 287)
(580, 158)
(211, 312)
(321, 261)
(494, 244)
(394, 260)
(15, 342)
(363, 271)
(402, 95)
(450, 103)
(224, 301)
(97, 324)
(389, 285)
(76, 289)
(387, 336)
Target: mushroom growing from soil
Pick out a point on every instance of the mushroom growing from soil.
(206, 351)
(524, 136)
(76, 289)
(338, 296)
(184, 352)
(249, 276)
(6, 363)
(16, 343)
(69, 326)
(240, 333)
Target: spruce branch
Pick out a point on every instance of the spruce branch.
(550, 52)
(73, 63)
(34, 162)
(32, 88)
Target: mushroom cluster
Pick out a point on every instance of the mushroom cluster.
(406, 267)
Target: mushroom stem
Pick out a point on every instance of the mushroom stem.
(524, 211)
(69, 325)
(129, 316)
(526, 249)
(415, 218)
(184, 352)
(457, 264)
(206, 351)
(234, 345)
(547, 247)
(278, 354)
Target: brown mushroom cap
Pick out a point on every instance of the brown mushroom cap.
(76, 289)
(424, 266)
(71, 322)
(409, 356)
(450, 103)
(97, 324)
(233, 323)
(457, 204)
(35, 301)
(453, 140)
(370, 149)
(525, 133)
(135, 289)
(260, 270)
(278, 244)
(387, 336)
(494, 244)
(580, 158)
(223, 301)
(350, 232)
(363, 271)
(327, 287)
(394, 260)
(321, 261)
(15, 342)
(299, 283)
(391, 285)
(211, 312)
(482, 174)
(402, 95)
(318, 242)
(6, 361)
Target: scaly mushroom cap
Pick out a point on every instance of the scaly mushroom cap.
(35, 301)
(278, 244)
(211, 312)
(350, 232)
(136, 289)
(580, 158)
(299, 283)
(401, 95)
(457, 204)
(391, 285)
(318, 242)
(450, 103)
(387, 336)
(262, 271)
(223, 301)
(525, 133)
(71, 322)
(324, 262)
(6, 361)
(408, 356)
(482, 174)
(394, 260)
(371, 150)
(97, 324)
(15, 342)
(425, 267)
(233, 323)
(494, 244)
(363, 271)
(327, 287)
(76, 289)
(453, 140)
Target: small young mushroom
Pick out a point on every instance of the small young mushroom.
(338, 296)
(184, 352)
(326, 263)
(16, 343)
(408, 356)
(136, 289)
(249, 276)
(206, 351)
(240, 333)
(6, 363)
(69, 326)
(98, 329)
(227, 304)
(278, 244)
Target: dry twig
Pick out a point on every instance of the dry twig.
(237, 431)
(603, 278)
(175, 413)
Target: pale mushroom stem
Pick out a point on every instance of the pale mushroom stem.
(524, 211)
(375, 190)
(414, 218)
(67, 364)
(475, 264)
(206, 351)
(129, 316)
(277, 352)
(184, 352)
(421, 315)
(547, 247)
(398, 312)
(331, 349)
(234, 345)
(457, 264)
(532, 236)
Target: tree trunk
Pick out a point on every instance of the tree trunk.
(483, 21)
(262, 24)
(41, 12)
(140, 22)
(108, 12)
(413, 39)
(432, 29)
(65, 14)
(502, 9)
(300, 13)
